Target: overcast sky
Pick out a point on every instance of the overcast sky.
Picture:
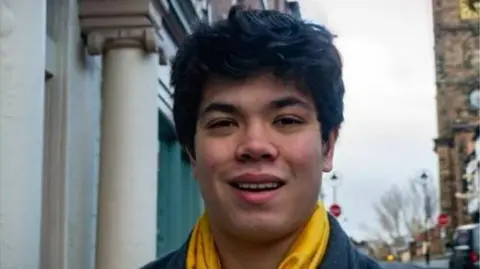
(390, 117)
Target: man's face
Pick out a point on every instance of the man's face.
(259, 156)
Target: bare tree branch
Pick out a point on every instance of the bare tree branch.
(401, 211)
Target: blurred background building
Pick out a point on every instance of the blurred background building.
(471, 178)
(457, 56)
(91, 173)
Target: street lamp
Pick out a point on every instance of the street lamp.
(335, 181)
(424, 181)
(335, 209)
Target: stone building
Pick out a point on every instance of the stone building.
(456, 31)
(91, 173)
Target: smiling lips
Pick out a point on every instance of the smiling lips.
(256, 188)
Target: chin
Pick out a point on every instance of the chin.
(261, 229)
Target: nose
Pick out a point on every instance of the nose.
(256, 145)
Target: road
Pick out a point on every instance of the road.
(395, 265)
(443, 263)
(437, 264)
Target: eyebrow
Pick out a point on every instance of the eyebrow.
(283, 102)
(290, 101)
(220, 107)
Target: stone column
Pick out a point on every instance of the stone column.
(125, 33)
(22, 80)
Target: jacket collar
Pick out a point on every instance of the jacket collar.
(340, 252)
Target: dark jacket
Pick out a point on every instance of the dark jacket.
(340, 254)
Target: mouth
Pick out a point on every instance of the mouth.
(257, 187)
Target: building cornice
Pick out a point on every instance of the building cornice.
(442, 142)
(110, 24)
(466, 26)
(440, 30)
(464, 127)
(472, 82)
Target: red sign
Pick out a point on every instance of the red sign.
(335, 210)
(443, 220)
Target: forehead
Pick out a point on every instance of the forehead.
(253, 90)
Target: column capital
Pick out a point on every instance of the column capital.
(110, 24)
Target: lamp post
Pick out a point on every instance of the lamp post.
(335, 180)
(335, 209)
(424, 181)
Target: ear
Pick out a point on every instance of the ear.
(190, 156)
(328, 150)
(192, 161)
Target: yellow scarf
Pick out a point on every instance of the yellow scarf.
(306, 253)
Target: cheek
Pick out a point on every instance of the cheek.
(305, 153)
(211, 158)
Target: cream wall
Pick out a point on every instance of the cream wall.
(72, 145)
(22, 50)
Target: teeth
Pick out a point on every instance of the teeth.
(258, 186)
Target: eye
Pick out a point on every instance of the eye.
(221, 124)
(288, 121)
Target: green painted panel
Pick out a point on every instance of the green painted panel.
(179, 203)
(176, 192)
(163, 226)
(165, 128)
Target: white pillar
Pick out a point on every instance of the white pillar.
(128, 168)
(125, 33)
(22, 78)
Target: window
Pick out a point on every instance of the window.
(264, 4)
(177, 12)
(207, 13)
(52, 34)
(50, 59)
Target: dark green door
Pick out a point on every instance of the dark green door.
(179, 202)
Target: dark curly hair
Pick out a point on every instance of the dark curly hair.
(249, 43)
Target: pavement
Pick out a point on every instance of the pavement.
(440, 263)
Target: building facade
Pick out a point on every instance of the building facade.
(456, 28)
(471, 186)
(91, 173)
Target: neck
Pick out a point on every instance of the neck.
(235, 253)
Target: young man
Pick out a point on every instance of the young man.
(258, 104)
